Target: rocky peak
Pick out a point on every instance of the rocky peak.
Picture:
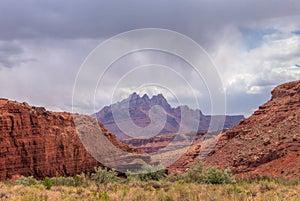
(158, 99)
(145, 97)
(139, 114)
(289, 89)
(145, 102)
(136, 101)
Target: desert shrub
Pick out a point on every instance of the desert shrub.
(217, 176)
(104, 176)
(27, 181)
(194, 174)
(47, 183)
(78, 180)
(148, 172)
(152, 172)
(172, 177)
(211, 175)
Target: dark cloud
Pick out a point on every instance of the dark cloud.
(96, 19)
(49, 39)
(10, 54)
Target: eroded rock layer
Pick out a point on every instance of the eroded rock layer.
(39, 143)
(268, 142)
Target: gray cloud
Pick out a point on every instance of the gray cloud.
(48, 40)
(10, 54)
(94, 19)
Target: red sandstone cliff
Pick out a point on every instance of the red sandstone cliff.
(268, 142)
(159, 142)
(39, 143)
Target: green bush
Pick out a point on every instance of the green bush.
(216, 176)
(104, 176)
(78, 180)
(198, 173)
(149, 172)
(27, 181)
(47, 183)
(194, 174)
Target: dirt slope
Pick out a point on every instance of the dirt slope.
(268, 142)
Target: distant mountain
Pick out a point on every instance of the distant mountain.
(136, 109)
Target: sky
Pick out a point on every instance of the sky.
(254, 45)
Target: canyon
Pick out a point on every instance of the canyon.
(36, 142)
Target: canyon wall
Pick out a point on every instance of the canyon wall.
(39, 143)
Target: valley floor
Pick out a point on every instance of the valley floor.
(155, 190)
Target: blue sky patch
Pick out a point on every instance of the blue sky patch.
(253, 38)
(297, 32)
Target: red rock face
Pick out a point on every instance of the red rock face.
(268, 142)
(201, 147)
(154, 144)
(39, 143)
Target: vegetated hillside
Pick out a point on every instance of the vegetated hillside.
(268, 142)
(138, 108)
(39, 143)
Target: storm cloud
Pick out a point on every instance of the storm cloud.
(254, 44)
(95, 19)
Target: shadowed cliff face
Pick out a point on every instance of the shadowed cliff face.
(139, 107)
(39, 143)
(268, 142)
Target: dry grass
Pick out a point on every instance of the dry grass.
(155, 190)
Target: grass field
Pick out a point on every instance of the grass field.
(199, 183)
(154, 190)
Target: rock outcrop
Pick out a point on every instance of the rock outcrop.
(156, 143)
(268, 142)
(198, 150)
(39, 143)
